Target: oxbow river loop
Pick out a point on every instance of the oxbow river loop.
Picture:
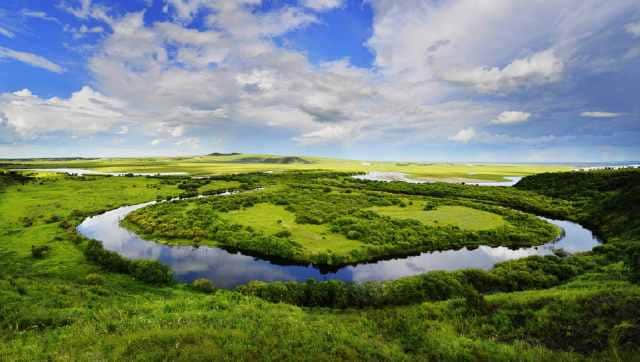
(227, 269)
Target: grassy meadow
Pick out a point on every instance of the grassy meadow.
(274, 219)
(461, 216)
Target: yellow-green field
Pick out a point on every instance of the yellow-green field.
(215, 165)
(271, 219)
(461, 216)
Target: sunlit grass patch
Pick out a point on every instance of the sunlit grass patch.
(273, 219)
(461, 216)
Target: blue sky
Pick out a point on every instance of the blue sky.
(423, 80)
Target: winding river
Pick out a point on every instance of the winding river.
(227, 269)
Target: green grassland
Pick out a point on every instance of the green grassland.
(62, 307)
(242, 163)
(461, 216)
(272, 219)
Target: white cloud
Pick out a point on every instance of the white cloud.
(7, 33)
(87, 10)
(327, 134)
(84, 112)
(39, 15)
(464, 135)
(31, 59)
(321, 5)
(633, 28)
(497, 45)
(191, 142)
(511, 117)
(83, 30)
(540, 68)
(600, 114)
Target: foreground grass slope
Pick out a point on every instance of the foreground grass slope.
(61, 307)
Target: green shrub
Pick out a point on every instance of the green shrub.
(203, 285)
(283, 234)
(39, 251)
(148, 271)
(632, 262)
(94, 279)
(52, 219)
(151, 272)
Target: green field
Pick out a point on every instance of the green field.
(216, 165)
(463, 217)
(61, 307)
(272, 219)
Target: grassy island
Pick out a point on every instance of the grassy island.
(303, 218)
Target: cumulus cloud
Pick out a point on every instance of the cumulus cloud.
(633, 29)
(322, 5)
(31, 59)
(84, 112)
(6, 32)
(464, 135)
(173, 78)
(511, 117)
(600, 114)
(540, 68)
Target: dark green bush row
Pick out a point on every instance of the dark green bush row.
(535, 272)
(12, 178)
(148, 271)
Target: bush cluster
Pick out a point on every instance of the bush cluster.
(535, 272)
(148, 271)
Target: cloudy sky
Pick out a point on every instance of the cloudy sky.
(429, 80)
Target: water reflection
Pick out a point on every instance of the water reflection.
(227, 269)
(403, 177)
(512, 181)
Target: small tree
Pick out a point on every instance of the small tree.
(632, 262)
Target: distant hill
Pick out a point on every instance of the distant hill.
(224, 154)
(272, 160)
